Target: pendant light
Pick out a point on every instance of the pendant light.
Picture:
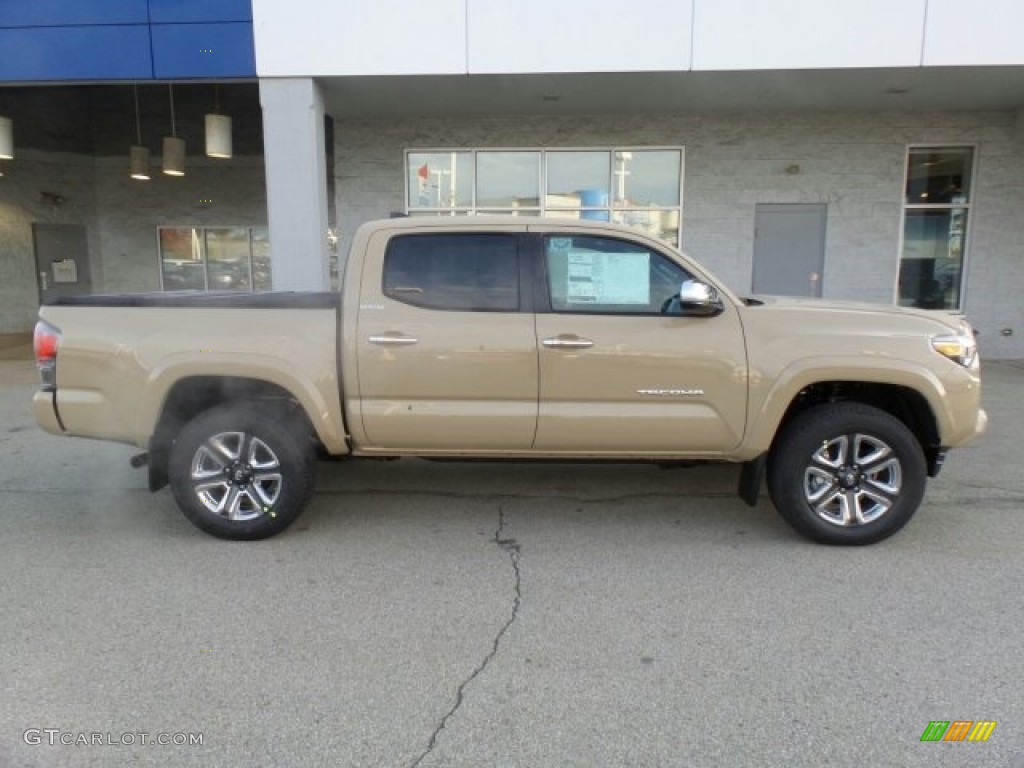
(218, 130)
(174, 148)
(138, 156)
(6, 138)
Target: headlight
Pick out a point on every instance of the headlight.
(959, 347)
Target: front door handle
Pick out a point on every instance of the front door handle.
(393, 340)
(567, 342)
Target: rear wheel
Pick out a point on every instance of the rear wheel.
(846, 473)
(238, 473)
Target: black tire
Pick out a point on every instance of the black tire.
(846, 473)
(237, 472)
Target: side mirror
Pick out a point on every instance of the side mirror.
(697, 299)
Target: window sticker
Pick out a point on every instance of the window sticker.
(608, 278)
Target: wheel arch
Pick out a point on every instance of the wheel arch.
(905, 403)
(193, 395)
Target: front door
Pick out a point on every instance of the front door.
(789, 249)
(620, 369)
(62, 261)
(446, 347)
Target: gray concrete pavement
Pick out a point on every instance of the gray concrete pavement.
(481, 615)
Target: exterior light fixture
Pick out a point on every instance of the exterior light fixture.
(138, 156)
(6, 138)
(174, 148)
(218, 131)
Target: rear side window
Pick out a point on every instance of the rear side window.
(471, 272)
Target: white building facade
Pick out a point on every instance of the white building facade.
(870, 150)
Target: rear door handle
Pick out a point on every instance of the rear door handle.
(393, 340)
(567, 342)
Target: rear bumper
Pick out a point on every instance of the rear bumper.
(44, 408)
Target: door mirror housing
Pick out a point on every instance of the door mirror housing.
(697, 299)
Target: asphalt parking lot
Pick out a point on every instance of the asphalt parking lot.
(437, 615)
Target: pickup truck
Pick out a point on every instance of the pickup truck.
(515, 338)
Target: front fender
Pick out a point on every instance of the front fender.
(771, 397)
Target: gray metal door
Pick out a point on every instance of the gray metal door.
(62, 260)
(789, 249)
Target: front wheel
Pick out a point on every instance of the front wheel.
(846, 473)
(238, 473)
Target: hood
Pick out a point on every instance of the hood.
(953, 319)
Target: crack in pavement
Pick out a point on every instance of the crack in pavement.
(511, 548)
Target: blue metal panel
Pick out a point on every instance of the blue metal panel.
(181, 11)
(65, 13)
(203, 50)
(76, 53)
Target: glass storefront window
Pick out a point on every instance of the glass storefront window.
(228, 265)
(181, 259)
(647, 178)
(439, 179)
(507, 179)
(939, 175)
(214, 258)
(261, 274)
(935, 215)
(640, 187)
(577, 180)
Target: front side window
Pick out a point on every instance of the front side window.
(936, 209)
(462, 272)
(603, 275)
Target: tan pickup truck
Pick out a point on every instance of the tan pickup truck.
(515, 338)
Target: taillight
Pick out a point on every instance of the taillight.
(45, 341)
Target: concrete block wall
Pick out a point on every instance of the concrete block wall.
(129, 212)
(21, 204)
(121, 217)
(853, 162)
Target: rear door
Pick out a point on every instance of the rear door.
(446, 347)
(621, 370)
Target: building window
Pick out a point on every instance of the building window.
(638, 187)
(214, 258)
(935, 213)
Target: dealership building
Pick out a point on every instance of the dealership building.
(870, 150)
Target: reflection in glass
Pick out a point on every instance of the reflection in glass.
(227, 259)
(937, 175)
(215, 258)
(577, 179)
(181, 259)
(646, 177)
(662, 224)
(508, 179)
(931, 266)
(638, 187)
(510, 212)
(440, 179)
(261, 274)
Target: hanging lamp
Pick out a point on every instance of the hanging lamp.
(174, 148)
(6, 138)
(218, 130)
(138, 155)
